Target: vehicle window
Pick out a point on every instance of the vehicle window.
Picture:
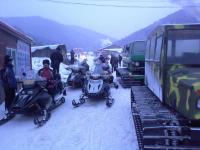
(139, 48)
(184, 47)
(158, 48)
(152, 47)
(147, 49)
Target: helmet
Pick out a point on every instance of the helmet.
(46, 61)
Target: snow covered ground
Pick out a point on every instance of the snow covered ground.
(91, 126)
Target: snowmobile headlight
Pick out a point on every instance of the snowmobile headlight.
(137, 64)
(198, 103)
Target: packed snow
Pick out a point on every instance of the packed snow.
(92, 126)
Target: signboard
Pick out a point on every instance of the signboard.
(23, 58)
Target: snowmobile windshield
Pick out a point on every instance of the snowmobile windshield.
(183, 47)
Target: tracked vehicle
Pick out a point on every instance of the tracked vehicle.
(132, 71)
(166, 111)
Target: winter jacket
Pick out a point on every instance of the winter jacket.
(120, 58)
(102, 59)
(114, 61)
(2, 94)
(85, 65)
(8, 77)
(56, 59)
(46, 73)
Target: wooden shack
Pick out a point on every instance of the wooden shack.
(17, 45)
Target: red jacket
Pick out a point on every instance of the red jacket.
(46, 73)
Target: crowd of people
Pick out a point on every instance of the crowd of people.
(8, 82)
(115, 61)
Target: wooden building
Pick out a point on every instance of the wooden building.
(112, 49)
(17, 45)
(46, 50)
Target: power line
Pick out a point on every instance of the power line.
(112, 5)
(138, 1)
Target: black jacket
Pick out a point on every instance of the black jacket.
(56, 58)
(8, 77)
(102, 59)
(120, 58)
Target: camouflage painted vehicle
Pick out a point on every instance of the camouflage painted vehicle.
(173, 68)
(133, 63)
(172, 73)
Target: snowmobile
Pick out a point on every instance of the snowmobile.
(95, 85)
(36, 100)
(76, 77)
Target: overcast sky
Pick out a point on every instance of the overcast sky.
(114, 21)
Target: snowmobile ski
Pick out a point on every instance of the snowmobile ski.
(109, 102)
(77, 104)
(57, 104)
(42, 118)
(8, 118)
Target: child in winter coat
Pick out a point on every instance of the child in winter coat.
(46, 72)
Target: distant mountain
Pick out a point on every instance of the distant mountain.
(46, 32)
(189, 15)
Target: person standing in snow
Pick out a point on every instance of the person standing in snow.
(120, 60)
(56, 58)
(72, 53)
(102, 59)
(114, 62)
(2, 98)
(9, 82)
(2, 94)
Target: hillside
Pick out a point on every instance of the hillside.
(182, 16)
(45, 31)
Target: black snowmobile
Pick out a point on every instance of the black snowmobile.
(37, 100)
(96, 85)
(76, 77)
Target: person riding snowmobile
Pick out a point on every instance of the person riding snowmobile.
(77, 75)
(97, 84)
(104, 68)
(38, 97)
(84, 66)
(47, 74)
(53, 81)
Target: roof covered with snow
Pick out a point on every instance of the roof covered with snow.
(34, 48)
(112, 48)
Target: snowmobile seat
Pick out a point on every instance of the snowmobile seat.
(95, 76)
(28, 84)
